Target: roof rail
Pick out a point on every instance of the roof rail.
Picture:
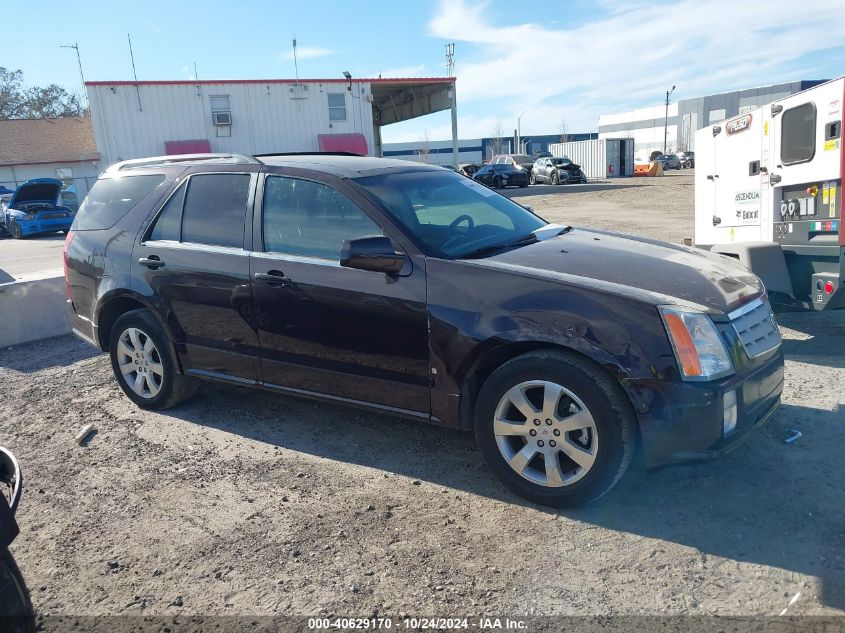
(307, 154)
(154, 161)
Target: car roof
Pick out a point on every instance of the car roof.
(339, 165)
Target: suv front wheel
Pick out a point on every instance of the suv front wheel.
(554, 428)
(143, 363)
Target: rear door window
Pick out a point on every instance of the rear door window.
(798, 134)
(168, 225)
(214, 209)
(112, 198)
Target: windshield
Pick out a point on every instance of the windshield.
(561, 161)
(448, 215)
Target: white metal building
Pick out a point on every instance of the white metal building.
(148, 118)
(599, 158)
(646, 125)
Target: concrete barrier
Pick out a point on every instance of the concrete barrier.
(33, 307)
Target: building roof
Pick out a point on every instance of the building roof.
(206, 82)
(37, 141)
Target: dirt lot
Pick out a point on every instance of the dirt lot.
(246, 503)
(660, 208)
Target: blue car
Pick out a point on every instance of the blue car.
(34, 208)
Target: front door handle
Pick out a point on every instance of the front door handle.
(273, 278)
(774, 179)
(152, 262)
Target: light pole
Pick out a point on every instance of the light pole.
(75, 46)
(666, 119)
(519, 132)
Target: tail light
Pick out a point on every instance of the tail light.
(65, 250)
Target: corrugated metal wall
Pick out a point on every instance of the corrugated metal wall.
(266, 117)
(600, 158)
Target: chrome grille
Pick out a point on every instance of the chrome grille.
(755, 325)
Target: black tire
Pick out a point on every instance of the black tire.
(497, 183)
(176, 388)
(16, 614)
(532, 179)
(614, 419)
(15, 230)
(555, 178)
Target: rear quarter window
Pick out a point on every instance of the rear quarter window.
(112, 198)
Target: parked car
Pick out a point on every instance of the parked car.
(34, 208)
(468, 169)
(557, 171)
(501, 175)
(410, 290)
(522, 161)
(687, 159)
(670, 161)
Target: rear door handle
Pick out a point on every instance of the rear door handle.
(152, 262)
(273, 278)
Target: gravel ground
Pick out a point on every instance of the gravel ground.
(246, 503)
(660, 208)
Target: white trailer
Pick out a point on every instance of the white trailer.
(768, 190)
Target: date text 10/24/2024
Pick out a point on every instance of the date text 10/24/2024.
(416, 624)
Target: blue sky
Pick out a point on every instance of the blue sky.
(569, 65)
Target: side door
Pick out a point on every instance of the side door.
(357, 336)
(191, 265)
(740, 215)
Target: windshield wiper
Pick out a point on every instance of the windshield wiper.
(543, 233)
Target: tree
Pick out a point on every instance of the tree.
(18, 102)
(425, 147)
(563, 128)
(497, 139)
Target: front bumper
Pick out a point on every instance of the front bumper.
(45, 226)
(684, 421)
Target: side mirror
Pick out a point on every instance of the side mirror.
(374, 253)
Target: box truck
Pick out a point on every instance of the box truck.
(768, 191)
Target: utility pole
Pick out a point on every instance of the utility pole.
(519, 132)
(666, 119)
(75, 47)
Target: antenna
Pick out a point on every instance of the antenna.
(197, 79)
(75, 47)
(134, 74)
(450, 59)
(295, 66)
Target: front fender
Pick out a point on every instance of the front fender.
(477, 311)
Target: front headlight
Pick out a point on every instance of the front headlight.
(698, 347)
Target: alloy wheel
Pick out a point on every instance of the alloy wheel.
(140, 363)
(545, 433)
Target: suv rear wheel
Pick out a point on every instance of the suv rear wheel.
(554, 428)
(143, 363)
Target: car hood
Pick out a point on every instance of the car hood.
(653, 271)
(38, 190)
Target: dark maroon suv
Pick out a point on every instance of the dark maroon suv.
(414, 291)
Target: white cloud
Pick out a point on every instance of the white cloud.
(306, 52)
(627, 57)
